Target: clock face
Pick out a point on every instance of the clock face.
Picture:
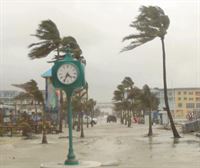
(67, 73)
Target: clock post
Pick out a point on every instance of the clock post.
(68, 75)
(70, 157)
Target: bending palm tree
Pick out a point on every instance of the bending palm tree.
(50, 41)
(32, 89)
(151, 23)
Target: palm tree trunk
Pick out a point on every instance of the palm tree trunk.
(36, 113)
(44, 137)
(92, 116)
(121, 117)
(82, 131)
(61, 100)
(129, 119)
(61, 111)
(73, 120)
(174, 130)
(79, 122)
(87, 122)
(126, 118)
(150, 124)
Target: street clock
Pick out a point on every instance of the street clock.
(68, 74)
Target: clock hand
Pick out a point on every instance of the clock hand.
(67, 75)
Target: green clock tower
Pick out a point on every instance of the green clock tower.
(68, 74)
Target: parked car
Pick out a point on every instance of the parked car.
(111, 118)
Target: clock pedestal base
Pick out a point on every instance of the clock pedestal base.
(71, 162)
(82, 164)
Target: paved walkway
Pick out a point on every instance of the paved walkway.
(114, 145)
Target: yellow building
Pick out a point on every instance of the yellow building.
(184, 103)
(187, 102)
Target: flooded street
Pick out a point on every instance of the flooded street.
(114, 145)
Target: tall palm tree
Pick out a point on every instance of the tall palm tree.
(32, 89)
(151, 23)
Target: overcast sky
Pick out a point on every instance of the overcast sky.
(99, 27)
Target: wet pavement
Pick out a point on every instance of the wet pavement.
(114, 145)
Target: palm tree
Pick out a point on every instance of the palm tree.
(21, 97)
(119, 101)
(150, 102)
(72, 43)
(79, 107)
(32, 89)
(151, 23)
(90, 108)
(128, 85)
(50, 41)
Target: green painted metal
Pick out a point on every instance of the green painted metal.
(71, 159)
(80, 82)
(69, 89)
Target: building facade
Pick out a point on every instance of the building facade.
(7, 96)
(184, 102)
(7, 100)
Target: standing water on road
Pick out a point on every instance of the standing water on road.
(113, 145)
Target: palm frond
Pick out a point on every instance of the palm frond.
(47, 30)
(31, 90)
(71, 41)
(23, 96)
(49, 35)
(35, 44)
(41, 51)
(150, 23)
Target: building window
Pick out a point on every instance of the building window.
(189, 105)
(185, 98)
(179, 93)
(190, 93)
(190, 98)
(198, 105)
(185, 93)
(197, 98)
(179, 111)
(169, 93)
(179, 98)
(179, 104)
(197, 93)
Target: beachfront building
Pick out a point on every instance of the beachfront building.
(7, 96)
(184, 102)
